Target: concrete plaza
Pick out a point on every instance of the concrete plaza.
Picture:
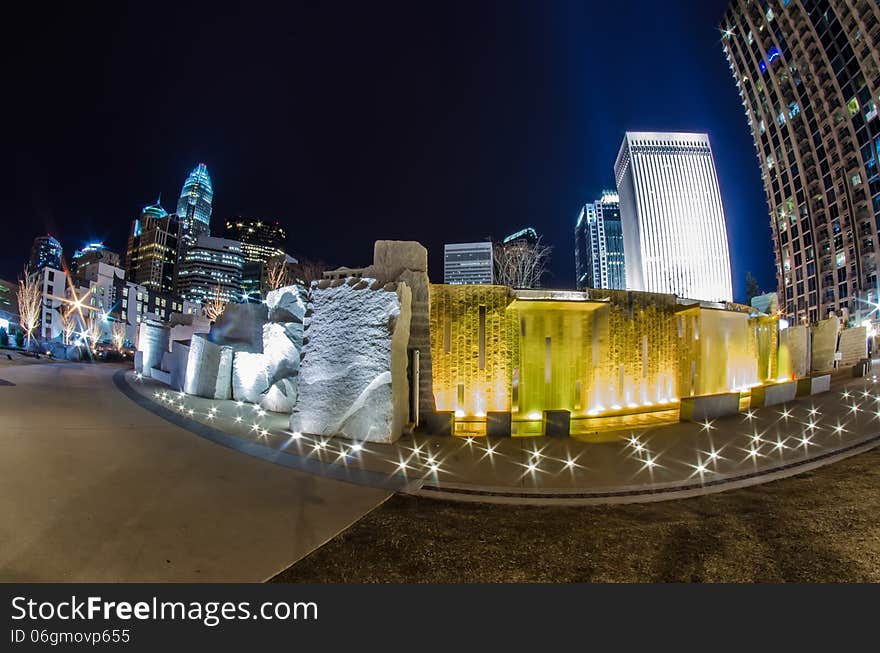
(110, 477)
(94, 488)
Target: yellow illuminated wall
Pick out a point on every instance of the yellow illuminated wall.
(765, 338)
(472, 346)
(608, 350)
(717, 352)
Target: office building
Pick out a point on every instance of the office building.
(599, 255)
(261, 241)
(674, 231)
(152, 253)
(211, 267)
(194, 207)
(468, 263)
(89, 256)
(45, 252)
(808, 73)
(8, 305)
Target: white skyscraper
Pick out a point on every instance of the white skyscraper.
(674, 233)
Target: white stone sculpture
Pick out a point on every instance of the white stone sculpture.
(282, 342)
(153, 342)
(287, 304)
(250, 377)
(241, 325)
(353, 375)
(208, 369)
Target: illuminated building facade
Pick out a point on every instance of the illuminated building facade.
(261, 240)
(152, 252)
(674, 232)
(8, 305)
(594, 353)
(527, 235)
(808, 72)
(45, 252)
(211, 266)
(468, 263)
(194, 207)
(91, 255)
(598, 253)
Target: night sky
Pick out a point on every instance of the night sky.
(439, 122)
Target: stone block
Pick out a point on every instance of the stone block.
(208, 369)
(353, 379)
(407, 261)
(824, 344)
(773, 394)
(250, 377)
(794, 352)
(153, 341)
(557, 423)
(241, 325)
(498, 424)
(161, 376)
(287, 304)
(440, 422)
(282, 342)
(853, 345)
(138, 358)
(392, 257)
(281, 396)
(704, 407)
(177, 364)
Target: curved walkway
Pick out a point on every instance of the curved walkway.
(667, 462)
(95, 488)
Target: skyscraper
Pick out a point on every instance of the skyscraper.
(468, 263)
(598, 252)
(152, 253)
(261, 240)
(808, 72)
(211, 266)
(194, 206)
(674, 233)
(45, 252)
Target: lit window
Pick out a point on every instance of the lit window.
(853, 106)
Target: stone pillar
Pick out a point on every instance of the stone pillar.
(407, 261)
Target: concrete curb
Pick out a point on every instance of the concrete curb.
(488, 494)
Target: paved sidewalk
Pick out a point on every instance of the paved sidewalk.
(95, 488)
(668, 461)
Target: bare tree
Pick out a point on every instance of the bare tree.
(521, 264)
(277, 274)
(117, 333)
(215, 304)
(92, 328)
(68, 313)
(311, 270)
(30, 303)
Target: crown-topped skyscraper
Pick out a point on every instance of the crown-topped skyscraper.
(194, 207)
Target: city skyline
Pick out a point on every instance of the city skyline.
(474, 170)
